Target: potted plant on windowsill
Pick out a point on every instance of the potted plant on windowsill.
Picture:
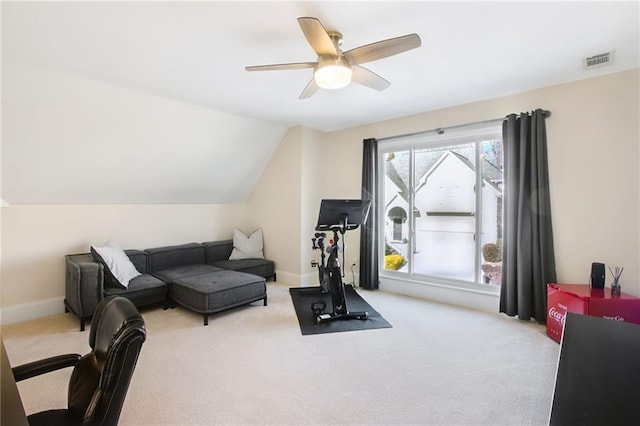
(492, 263)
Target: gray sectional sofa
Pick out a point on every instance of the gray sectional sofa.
(197, 276)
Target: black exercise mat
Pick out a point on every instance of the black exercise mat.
(303, 297)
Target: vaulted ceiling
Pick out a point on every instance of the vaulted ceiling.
(196, 51)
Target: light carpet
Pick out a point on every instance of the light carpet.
(438, 365)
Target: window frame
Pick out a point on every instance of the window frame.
(436, 139)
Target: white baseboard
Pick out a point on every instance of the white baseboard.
(288, 278)
(32, 310)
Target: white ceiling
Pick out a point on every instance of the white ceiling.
(196, 52)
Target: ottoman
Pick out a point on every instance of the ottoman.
(217, 291)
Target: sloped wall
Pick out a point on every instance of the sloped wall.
(73, 140)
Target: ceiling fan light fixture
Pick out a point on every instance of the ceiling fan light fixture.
(335, 69)
(335, 75)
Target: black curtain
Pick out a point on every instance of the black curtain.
(528, 263)
(369, 231)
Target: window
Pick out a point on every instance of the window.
(442, 201)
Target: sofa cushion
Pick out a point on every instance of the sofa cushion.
(172, 274)
(217, 291)
(218, 250)
(143, 290)
(120, 269)
(262, 267)
(138, 258)
(247, 247)
(161, 258)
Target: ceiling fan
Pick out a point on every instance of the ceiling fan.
(334, 68)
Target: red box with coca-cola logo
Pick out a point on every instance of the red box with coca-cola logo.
(582, 299)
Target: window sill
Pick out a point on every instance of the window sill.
(474, 296)
(453, 285)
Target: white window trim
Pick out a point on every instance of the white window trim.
(471, 133)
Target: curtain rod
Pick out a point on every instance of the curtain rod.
(440, 130)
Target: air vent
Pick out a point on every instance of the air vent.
(598, 60)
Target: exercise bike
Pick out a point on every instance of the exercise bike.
(323, 276)
(338, 216)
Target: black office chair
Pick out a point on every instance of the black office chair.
(100, 379)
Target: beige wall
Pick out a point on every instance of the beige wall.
(593, 158)
(274, 205)
(285, 203)
(314, 160)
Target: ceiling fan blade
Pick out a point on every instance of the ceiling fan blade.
(278, 67)
(382, 49)
(308, 91)
(317, 36)
(368, 78)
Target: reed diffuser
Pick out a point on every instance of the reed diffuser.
(615, 285)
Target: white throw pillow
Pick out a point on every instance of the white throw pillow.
(247, 247)
(118, 263)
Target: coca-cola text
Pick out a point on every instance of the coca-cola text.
(557, 316)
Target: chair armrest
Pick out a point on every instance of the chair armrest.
(46, 365)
